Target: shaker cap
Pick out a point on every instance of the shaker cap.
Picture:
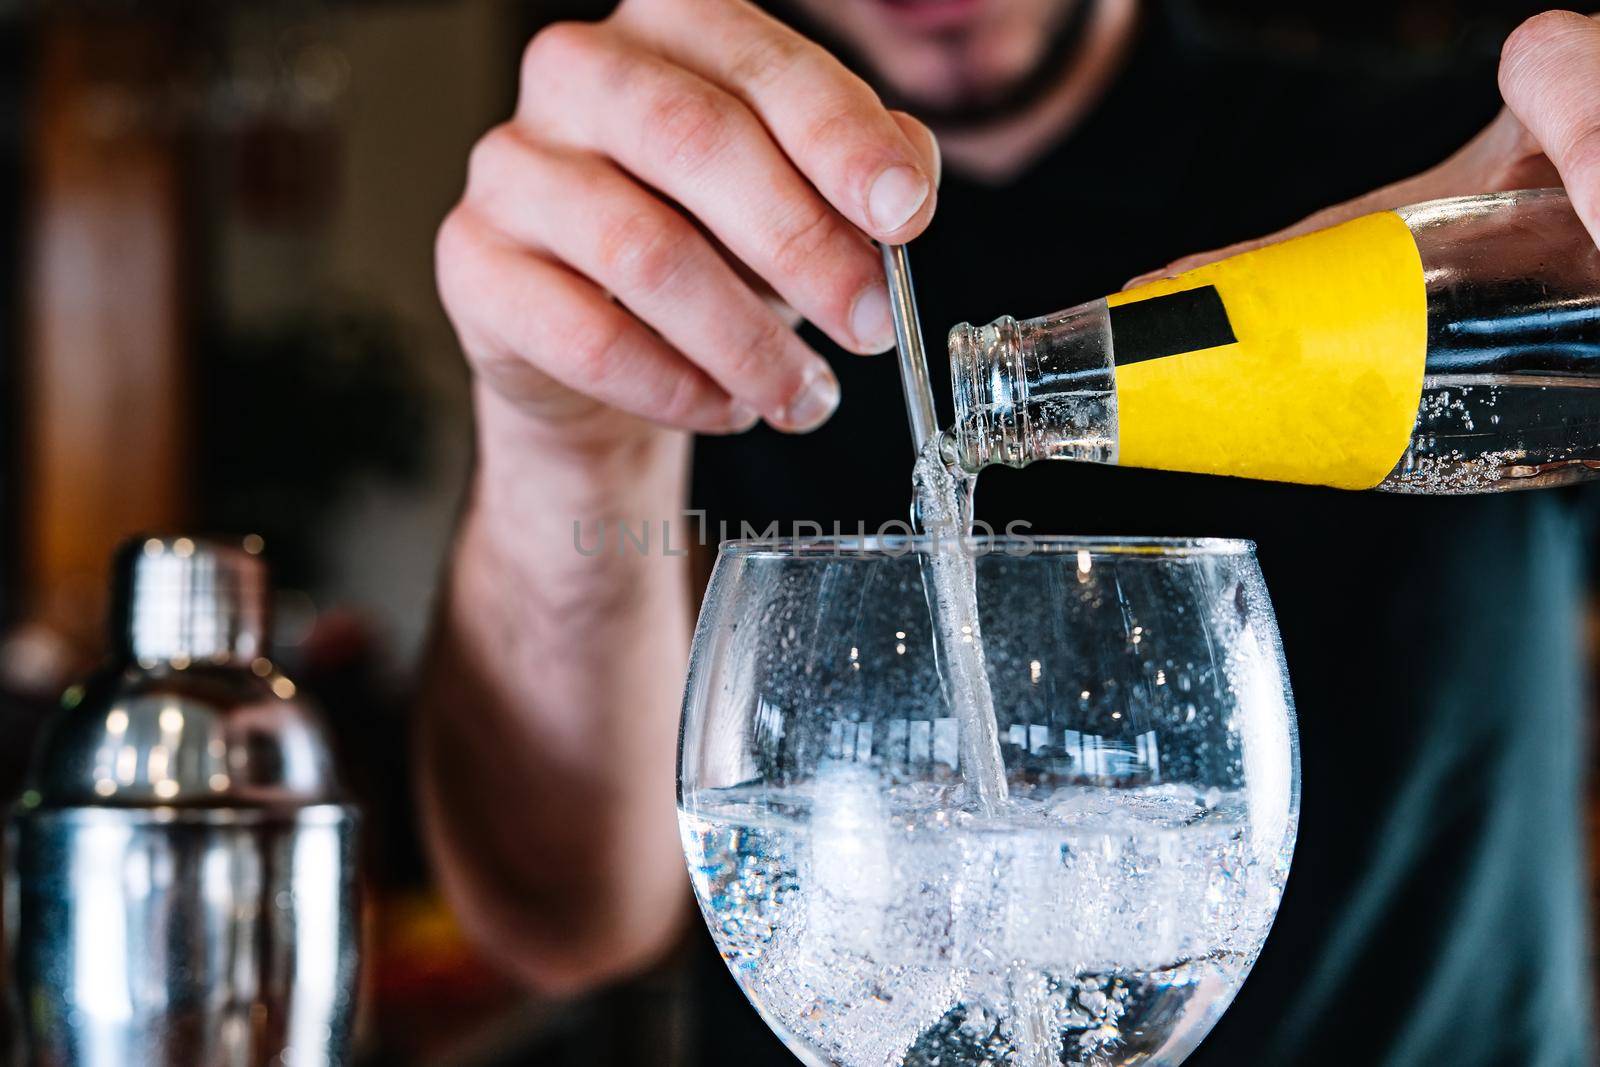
(185, 600)
(191, 713)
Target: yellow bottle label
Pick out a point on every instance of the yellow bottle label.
(1298, 362)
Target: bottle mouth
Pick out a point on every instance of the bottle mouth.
(962, 344)
(988, 387)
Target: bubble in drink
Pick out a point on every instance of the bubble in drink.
(1482, 433)
(874, 928)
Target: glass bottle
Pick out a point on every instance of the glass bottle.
(1447, 347)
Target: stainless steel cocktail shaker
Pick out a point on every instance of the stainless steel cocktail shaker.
(182, 879)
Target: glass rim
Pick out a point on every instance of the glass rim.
(893, 546)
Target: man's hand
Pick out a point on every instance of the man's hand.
(679, 184)
(1547, 134)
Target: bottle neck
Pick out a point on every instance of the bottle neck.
(1042, 388)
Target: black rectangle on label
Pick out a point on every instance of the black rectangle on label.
(1168, 325)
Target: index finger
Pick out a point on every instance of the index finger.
(1550, 78)
(828, 121)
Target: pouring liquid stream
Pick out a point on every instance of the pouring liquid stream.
(941, 509)
(942, 505)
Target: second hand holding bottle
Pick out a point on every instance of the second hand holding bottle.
(1446, 347)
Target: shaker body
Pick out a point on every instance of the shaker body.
(176, 938)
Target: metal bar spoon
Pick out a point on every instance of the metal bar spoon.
(908, 344)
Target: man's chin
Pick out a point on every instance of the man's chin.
(957, 101)
(927, 69)
(936, 73)
(983, 102)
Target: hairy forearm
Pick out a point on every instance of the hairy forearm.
(549, 707)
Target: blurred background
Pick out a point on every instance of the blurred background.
(217, 313)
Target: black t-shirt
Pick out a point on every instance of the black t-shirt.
(1435, 911)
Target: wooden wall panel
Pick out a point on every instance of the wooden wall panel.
(14, 68)
(104, 400)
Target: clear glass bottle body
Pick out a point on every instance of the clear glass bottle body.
(1510, 393)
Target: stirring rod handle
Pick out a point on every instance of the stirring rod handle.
(908, 344)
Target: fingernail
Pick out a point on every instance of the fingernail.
(895, 196)
(815, 402)
(870, 321)
(742, 417)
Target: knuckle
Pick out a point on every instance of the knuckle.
(689, 125)
(453, 249)
(490, 159)
(643, 251)
(766, 58)
(682, 400)
(833, 126)
(646, 14)
(447, 242)
(801, 240)
(556, 49)
(596, 347)
(757, 353)
(626, 11)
